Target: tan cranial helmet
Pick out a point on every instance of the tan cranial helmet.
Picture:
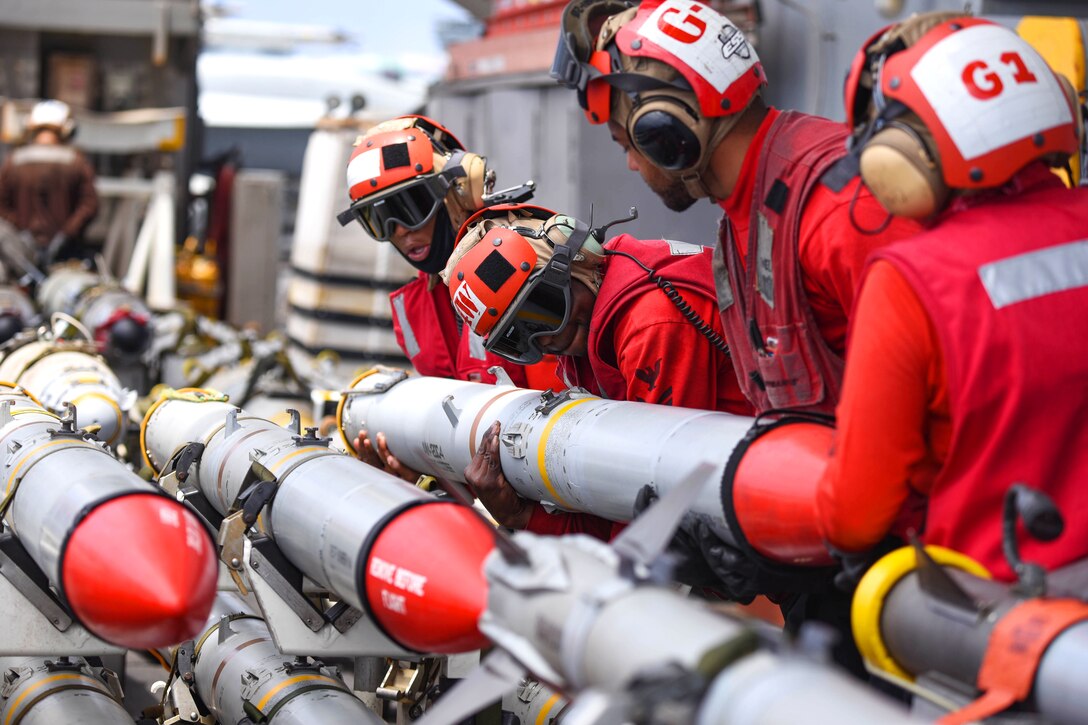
(944, 103)
(676, 74)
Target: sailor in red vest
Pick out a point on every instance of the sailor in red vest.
(412, 183)
(680, 88)
(967, 364)
(629, 320)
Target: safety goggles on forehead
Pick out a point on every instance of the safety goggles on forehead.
(577, 42)
(411, 207)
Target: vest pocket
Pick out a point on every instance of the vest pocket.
(788, 367)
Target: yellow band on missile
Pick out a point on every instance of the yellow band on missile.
(292, 680)
(194, 395)
(543, 446)
(873, 589)
(83, 680)
(548, 705)
(340, 410)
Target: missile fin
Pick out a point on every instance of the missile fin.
(940, 587)
(497, 674)
(649, 534)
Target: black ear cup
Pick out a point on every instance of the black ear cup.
(902, 174)
(665, 140)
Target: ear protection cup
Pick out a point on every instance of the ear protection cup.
(668, 132)
(465, 196)
(899, 169)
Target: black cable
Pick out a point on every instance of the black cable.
(701, 325)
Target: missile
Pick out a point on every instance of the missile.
(240, 676)
(409, 560)
(56, 372)
(934, 619)
(16, 312)
(578, 452)
(119, 321)
(593, 620)
(37, 691)
(135, 568)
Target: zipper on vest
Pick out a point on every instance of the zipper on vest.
(761, 348)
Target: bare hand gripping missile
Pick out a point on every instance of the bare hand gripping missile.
(577, 452)
(288, 507)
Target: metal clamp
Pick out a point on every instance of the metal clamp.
(549, 401)
(515, 438)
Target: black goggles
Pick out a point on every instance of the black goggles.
(542, 307)
(571, 67)
(410, 207)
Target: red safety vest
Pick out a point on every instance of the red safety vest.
(686, 266)
(780, 357)
(1005, 284)
(427, 331)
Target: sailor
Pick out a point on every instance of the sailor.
(47, 186)
(629, 319)
(412, 183)
(966, 372)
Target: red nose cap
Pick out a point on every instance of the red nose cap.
(424, 578)
(140, 571)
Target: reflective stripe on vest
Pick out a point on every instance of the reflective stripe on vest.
(476, 348)
(1034, 274)
(410, 342)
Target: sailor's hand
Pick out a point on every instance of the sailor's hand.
(484, 475)
(381, 457)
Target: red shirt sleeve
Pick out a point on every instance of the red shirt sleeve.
(663, 358)
(836, 240)
(564, 522)
(892, 418)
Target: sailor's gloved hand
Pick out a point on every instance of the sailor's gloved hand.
(382, 458)
(484, 476)
(704, 560)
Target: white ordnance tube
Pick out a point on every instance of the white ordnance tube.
(578, 452)
(52, 690)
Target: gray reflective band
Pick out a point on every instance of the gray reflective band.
(476, 347)
(40, 154)
(410, 343)
(765, 260)
(1027, 276)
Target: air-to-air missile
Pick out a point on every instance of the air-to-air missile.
(593, 620)
(233, 671)
(384, 547)
(578, 452)
(134, 568)
(118, 320)
(48, 691)
(934, 622)
(57, 371)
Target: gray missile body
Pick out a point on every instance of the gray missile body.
(68, 529)
(336, 519)
(578, 452)
(37, 691)
(912, 630)
(239, 672)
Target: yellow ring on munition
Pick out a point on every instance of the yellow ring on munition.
(286, 683)
(42, 447)
(20, 390)
(70, 676)
(340, 409)
(163, 397)
(874, 588)
(552, 420)
(548, 705)
(112, 403)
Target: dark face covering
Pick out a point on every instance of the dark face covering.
(442, 243)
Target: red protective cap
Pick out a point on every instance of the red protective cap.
(424, 578)
(140, 571)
